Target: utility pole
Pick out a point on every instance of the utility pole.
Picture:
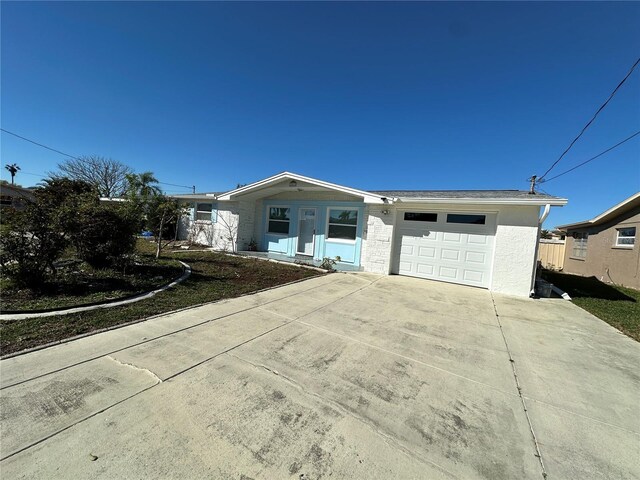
(532, 190)
(13, 169)
(193, 188)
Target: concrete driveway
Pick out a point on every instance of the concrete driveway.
(344, 376)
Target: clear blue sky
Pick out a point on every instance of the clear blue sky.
(370, 95)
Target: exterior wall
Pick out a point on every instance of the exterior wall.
(314, 195)
(515, 250)
(377, 242)
(217, 234)
(605, 261)
(515, 243)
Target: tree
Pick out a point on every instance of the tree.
(162, 216)
(108, 176)
(141, 185)
(545, 234)
(13, 169)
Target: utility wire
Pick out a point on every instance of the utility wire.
(592, 158)
(590, 121)
(72, 156)
(39, 144)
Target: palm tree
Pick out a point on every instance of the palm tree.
(13, 169)
(142, 185)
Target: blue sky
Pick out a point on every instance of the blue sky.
(370, 95)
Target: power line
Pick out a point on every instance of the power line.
(74, 157)
(591, 121)
(592, 158)
(39, 144)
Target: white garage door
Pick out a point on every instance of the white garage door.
(449, 246)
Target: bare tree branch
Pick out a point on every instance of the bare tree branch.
(109, 176)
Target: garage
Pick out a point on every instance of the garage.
(454, 247)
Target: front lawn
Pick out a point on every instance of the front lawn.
(618, 306)
(214, 276)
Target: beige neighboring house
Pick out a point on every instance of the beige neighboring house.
(606, 246)
(14, 196)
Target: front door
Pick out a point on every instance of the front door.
(306, 231)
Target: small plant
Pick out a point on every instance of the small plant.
(328, 263)
(253, 245)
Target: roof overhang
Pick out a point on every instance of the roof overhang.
(277, 184)
(536, 201)
(628, 204)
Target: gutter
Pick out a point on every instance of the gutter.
(543, 217)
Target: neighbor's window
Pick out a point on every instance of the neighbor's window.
(278, 220)
(420, 217)
(203, 211)
(626, 237)
(580, 245)
(466, 218)
(342, 224)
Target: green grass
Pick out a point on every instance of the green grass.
(618, 306)
(214, 276)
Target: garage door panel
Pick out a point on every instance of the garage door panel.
(427, 252)
(449, 254)
(425, 268)
(453, 253)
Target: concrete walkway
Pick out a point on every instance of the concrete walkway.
(342, 376)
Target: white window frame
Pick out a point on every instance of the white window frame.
(582, 250)
(284, 235)
(196, 211)
(341, 240)
(618, 237)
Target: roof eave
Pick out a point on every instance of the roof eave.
(556, 202)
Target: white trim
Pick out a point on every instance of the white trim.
(484, 201)
(367, 196)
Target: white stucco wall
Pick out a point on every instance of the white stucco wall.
(514, 247)
(515, 250)
(217, 235)
(377, 239)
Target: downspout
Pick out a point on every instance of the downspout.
(543, 217)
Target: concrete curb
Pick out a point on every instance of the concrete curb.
(140, 320)
(96, 306)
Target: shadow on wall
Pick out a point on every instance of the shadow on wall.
(589, 287)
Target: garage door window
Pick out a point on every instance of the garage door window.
(420, 217)
(342, 224)
(466, 218)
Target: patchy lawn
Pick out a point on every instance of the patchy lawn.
(214, 276)
(78, 284)
(618, 306)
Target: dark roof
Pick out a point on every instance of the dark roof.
(506, 194)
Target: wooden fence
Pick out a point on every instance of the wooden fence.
(551, 254)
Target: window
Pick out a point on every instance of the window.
(420, 217)
(580, 244)
(466, 218)
(278, 220)
(203, 212)
(626, 237)
(342, 224)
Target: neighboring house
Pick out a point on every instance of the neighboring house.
(605, 246)
(14, 196)
(481, 238)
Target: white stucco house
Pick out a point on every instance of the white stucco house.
(481, 238)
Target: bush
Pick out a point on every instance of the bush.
(29, 246)
(102, 234)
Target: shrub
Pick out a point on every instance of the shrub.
(29, 246)
(103, 234)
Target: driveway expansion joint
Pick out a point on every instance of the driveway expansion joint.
(538, 454)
